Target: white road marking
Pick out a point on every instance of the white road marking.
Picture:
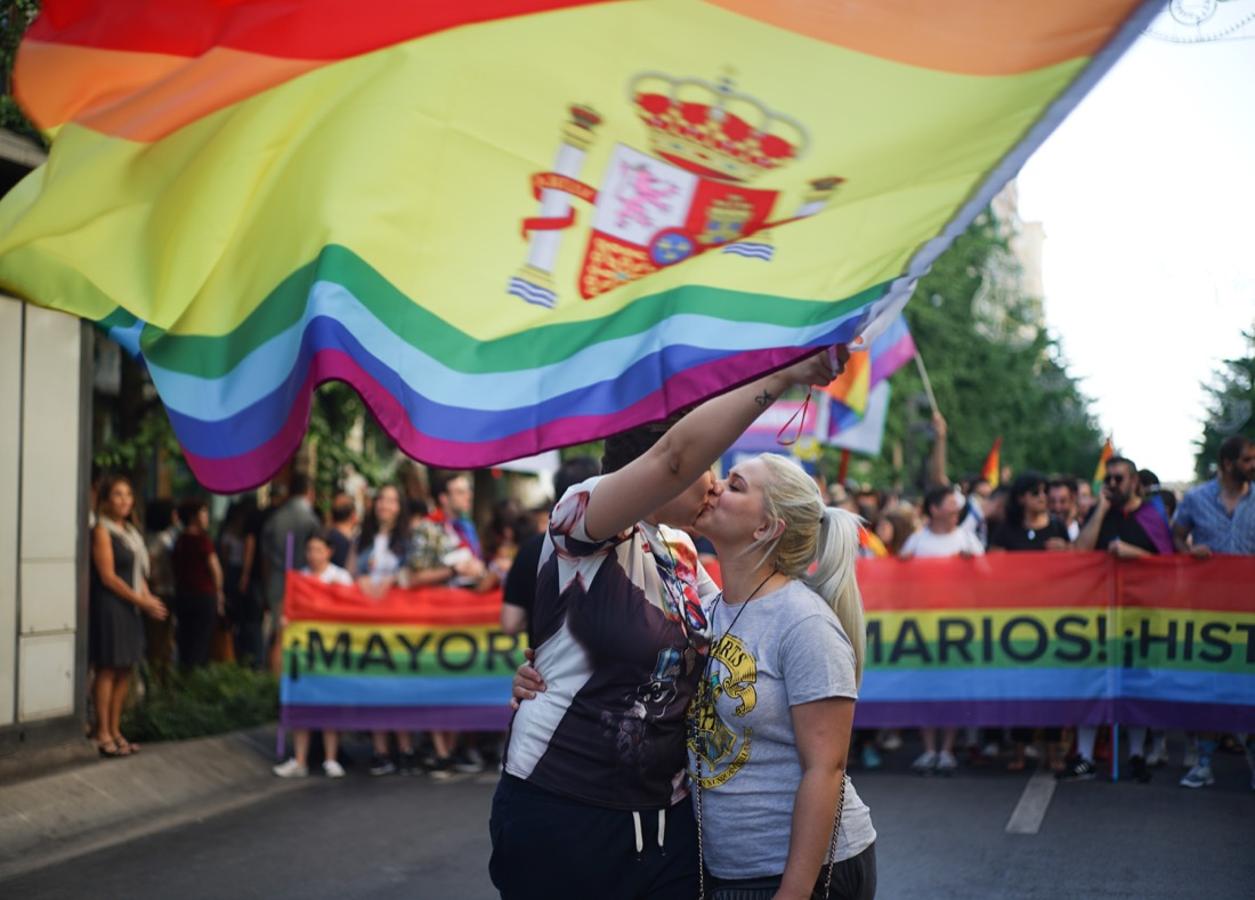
(1031, 810)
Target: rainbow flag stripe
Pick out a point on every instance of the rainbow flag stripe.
(510, 224)
(434, 658)
(1059, 639)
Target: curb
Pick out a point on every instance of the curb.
(56, 817)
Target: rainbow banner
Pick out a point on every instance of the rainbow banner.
(511, 224)
(1006, 639)
(1059, 639)
(434, 658)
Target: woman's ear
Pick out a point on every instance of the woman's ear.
(769, 530)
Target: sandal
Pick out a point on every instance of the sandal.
(126, 748)
(109, 750)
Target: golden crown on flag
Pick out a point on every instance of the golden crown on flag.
(712, 129)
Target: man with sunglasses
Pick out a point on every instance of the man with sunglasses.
(1122, 523)
(1126, 526)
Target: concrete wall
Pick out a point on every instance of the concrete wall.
(44, 417)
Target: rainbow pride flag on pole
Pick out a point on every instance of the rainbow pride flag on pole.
(855, 392)
(1100, 470)
(991, 469)
(424, 659)
(511, 224)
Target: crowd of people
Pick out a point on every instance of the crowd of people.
(615, 594)
(180, 593)
(184, 593)
(1130, 516)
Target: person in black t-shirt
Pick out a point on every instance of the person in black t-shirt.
(1028, 524)
(1123, 523)
(520, 584)
(343, 529)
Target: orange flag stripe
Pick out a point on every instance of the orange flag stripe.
(140, 96)
(970, 37)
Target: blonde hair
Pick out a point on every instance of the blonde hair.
(815, 535)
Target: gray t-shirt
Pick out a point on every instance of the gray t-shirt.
(786, 648)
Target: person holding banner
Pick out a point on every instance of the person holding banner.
(940, 537)
(587, 804)
(319, 565)
(1128, 528)
(1219, 517)
(378, 560)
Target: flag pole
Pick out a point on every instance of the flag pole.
(928, 385)
(844, 469)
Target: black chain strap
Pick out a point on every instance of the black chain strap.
(701, 844)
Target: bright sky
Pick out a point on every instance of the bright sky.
(1147, 197)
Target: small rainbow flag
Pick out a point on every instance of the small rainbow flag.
(511, 224)
(991, 471)
(871, 544)
(1100, 471)
(852, 391)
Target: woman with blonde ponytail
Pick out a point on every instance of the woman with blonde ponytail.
(772, 719)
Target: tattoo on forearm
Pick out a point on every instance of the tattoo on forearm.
(764, 399)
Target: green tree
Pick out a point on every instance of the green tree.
(1230, 407)
(15, 17)
(995, 372)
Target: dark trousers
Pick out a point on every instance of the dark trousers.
(852, 879)
(545, 846)
(195, 616)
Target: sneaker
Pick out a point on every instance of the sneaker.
(946, 763)
(441, 768)
(1140, 770)
(1157, 758)
(468, 761)
(871, 759)
(1078, 768)
(925, 763)
(291, 769)
(381, 765)
(332, 769)
(407, 763)
(891, 740)
(990, 750)
(1191, 754)
(1197, 777)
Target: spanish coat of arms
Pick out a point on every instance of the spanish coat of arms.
(689, 195)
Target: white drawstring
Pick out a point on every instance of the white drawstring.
(662, 825)
(640, 836)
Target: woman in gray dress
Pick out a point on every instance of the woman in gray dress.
(119, 599)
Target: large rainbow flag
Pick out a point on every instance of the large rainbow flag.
(511, 224)
(432, 658)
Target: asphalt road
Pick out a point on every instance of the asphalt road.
(938, 838)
